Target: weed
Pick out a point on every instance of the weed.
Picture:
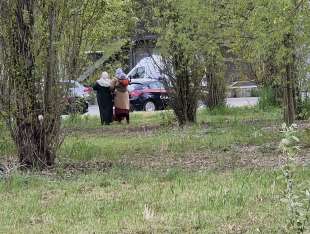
(298, 206)
(303, 109)
(168, 119)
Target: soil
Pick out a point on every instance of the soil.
(246, 157)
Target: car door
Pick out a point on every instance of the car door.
(157, 89)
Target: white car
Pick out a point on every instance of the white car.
(76, 89)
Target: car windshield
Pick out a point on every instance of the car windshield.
(135, 86)
(138, 73)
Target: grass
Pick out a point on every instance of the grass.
(135, 201)
(199, 179)
(90, 122)
(163, 142)
(225, 128)
(217, 116)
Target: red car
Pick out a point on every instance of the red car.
(147, 95)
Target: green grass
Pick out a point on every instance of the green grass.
(217, 116)
(164, 142)
(89, 122)
(136, 201)
(225, 128)
(134, 196)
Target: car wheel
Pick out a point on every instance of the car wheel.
(149, 106)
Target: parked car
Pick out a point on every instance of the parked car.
(76, 97)
(147, 68)
(76, 89)
(147, 95)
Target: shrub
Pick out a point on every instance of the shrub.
(268, 98)
(297, 200)
(167, 119)
(76, 105)
(303, 110)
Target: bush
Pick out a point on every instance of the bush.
(303, 110)
(6, 144)
(76, 105)
(91, 99)
(167, 118)
(268, 98)
(255, 92)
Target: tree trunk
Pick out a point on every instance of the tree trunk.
(216, 89)
(37, 123)
(289, 97)
(185, 91)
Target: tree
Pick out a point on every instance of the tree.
(191, 41)
(276, 32)
(28, 77)
(42, 43)
(184, 63)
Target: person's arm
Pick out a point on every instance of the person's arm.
(95, 87)
(113, 84)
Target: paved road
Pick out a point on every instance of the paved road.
(93, 110)
(239, 102)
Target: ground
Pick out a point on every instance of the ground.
(220, 176)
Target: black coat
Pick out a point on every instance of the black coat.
(105, 103)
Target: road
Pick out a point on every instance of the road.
(93, 110)
(239, 102)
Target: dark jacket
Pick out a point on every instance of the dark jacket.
(104, 99)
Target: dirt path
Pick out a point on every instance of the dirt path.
(126, 130)
(237, 157)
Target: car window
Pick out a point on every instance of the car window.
(133, 87)
(161, 85)
(138, 73)
(156, 85)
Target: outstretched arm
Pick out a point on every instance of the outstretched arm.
(95, 87)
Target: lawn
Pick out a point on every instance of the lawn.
(219, 176)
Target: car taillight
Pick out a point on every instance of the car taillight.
(135, 93)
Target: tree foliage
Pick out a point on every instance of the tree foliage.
(191, 40)
(42, 43)
(273, 35)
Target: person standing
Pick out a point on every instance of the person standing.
(121, 97)
(104, 98)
